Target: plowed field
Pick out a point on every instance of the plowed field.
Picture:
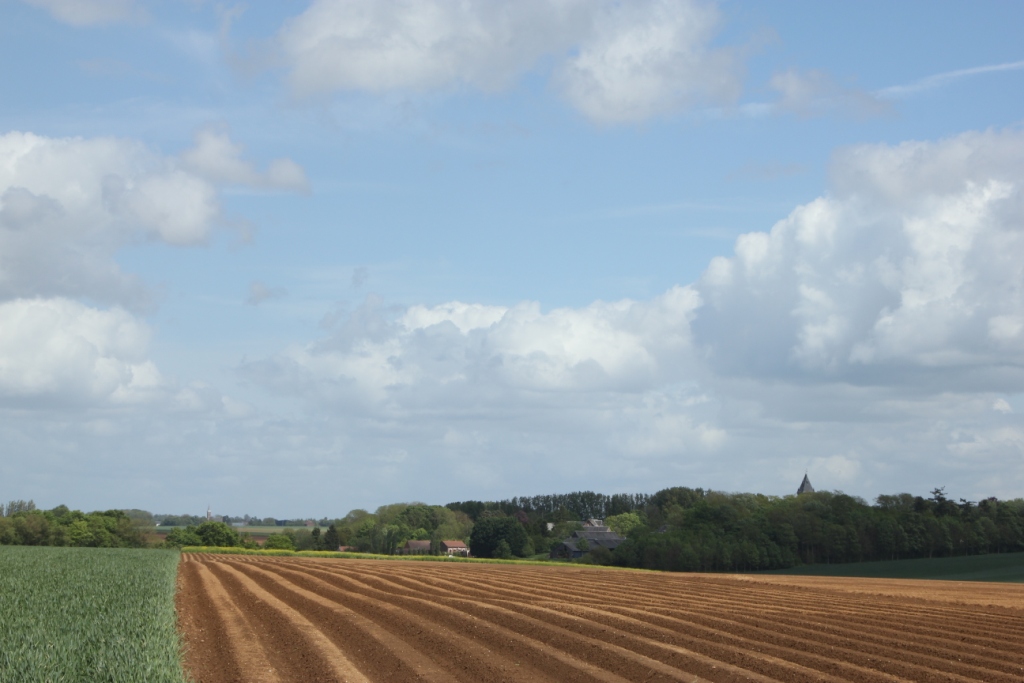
(290, 619)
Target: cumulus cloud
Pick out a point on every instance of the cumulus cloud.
(908, 273)
(487, 392)
(875, 332)
(89, 12)
(615, 62)
(58, 350)
(470, 353)
(68, 204)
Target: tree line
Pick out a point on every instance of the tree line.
(677, 529)
(22, 524)
(695, 530)
(692, 529)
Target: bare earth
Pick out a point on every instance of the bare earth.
(288, 619)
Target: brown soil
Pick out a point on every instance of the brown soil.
(288, 619)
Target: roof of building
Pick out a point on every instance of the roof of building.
(595, 533)
(610, 543)
(453, 544)
(417, 545)
(805, 486)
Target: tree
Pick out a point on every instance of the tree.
(331, 539)
(624, 523)
(218, 534)
(182, 536)
(488, 532)
(17, 506)
(279, 542)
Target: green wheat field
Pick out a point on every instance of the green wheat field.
(88, 614)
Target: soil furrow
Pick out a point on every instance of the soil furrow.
(373, 648)
(249, 618)
(296, 645)
(210, 655)
(668, 654)
(454, 639)
(868, 656)
(623, 666)
(882, 616)
(713, 590)
(710, 632)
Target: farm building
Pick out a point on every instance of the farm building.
(415, 548)
(595, 535)
(454, 549)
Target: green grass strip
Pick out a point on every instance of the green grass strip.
(88, 614)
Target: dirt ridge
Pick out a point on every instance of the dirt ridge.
(276, 619)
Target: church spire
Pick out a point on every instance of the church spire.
(805, 486)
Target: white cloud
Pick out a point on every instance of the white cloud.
(68, 204)
(110, 185)
(465, 354)
(868, 333)
(89, 12)
(615, 62)
(406, 44)
(465, 317)
(908, 273)
(60, 351)
(649, 59)
(219, 160)
(871, 336)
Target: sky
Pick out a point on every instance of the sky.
(292, 259)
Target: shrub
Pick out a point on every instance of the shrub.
(279, 542)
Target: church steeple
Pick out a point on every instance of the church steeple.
(805, 486)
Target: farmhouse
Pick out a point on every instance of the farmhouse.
(454, 549)
(594, 533)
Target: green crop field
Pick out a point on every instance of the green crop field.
(88, 614)
(1007, 567)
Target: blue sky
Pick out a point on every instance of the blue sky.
(297, 258)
